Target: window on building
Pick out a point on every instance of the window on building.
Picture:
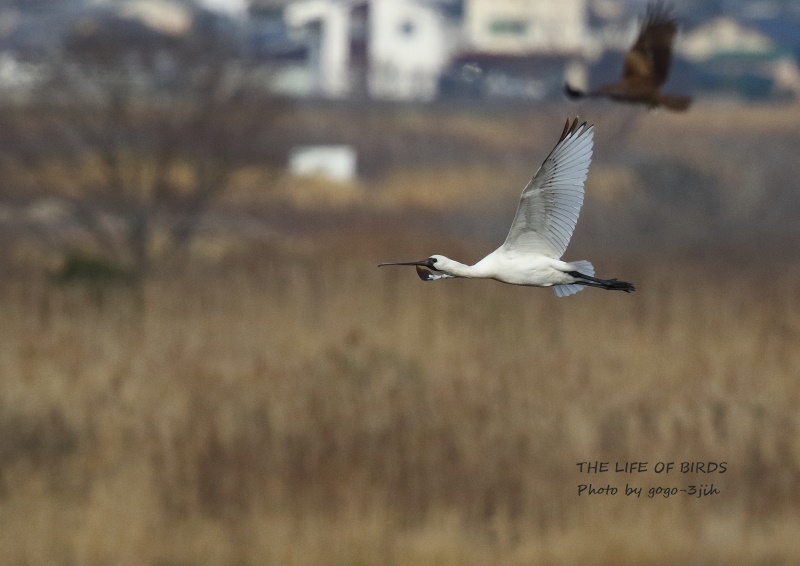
(508, 27)
(408, 28)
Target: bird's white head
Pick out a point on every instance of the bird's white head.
(439, 264)
(443, 264)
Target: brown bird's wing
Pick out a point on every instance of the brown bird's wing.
(647, 63)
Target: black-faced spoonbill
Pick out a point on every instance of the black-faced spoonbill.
(541, 230)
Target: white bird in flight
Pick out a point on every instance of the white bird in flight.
(542, 227)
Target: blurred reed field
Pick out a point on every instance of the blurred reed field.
(277, 399)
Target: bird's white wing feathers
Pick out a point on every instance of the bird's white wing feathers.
(550, 203)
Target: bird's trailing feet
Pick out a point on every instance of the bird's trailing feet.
(608, 284)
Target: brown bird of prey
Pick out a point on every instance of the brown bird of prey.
(646, 65)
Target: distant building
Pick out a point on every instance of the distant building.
(518, 49)
(407, 49)
(526, 26)
(268, 8)
(162, 16)
(379, 48)
(736, 60)
(723, 36)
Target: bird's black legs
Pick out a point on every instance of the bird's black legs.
(608, 284)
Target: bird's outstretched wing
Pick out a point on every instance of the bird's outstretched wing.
(550, 203)
(647, 63)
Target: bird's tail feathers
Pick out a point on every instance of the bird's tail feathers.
(583, 266)
(567, 290)
(676, 102)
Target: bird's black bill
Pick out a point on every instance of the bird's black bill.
(424, 262)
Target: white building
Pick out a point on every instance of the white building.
(325, 27)
(526, 26)
(723, 35)
(735, 51)
(381, 48)
(407, 49)
(165, 16)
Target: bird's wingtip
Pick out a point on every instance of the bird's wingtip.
(571, 128)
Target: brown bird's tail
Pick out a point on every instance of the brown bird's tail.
(675, 102)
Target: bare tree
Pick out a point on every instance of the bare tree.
(136, 129)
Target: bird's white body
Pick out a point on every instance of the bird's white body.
(542, 227)
(512, 268)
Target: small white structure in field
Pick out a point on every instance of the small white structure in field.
(334, 162)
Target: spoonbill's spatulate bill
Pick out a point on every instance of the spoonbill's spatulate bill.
(541, 230)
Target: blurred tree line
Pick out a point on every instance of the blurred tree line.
(130, 127)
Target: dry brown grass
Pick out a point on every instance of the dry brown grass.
(333, 413)
(299, 406)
